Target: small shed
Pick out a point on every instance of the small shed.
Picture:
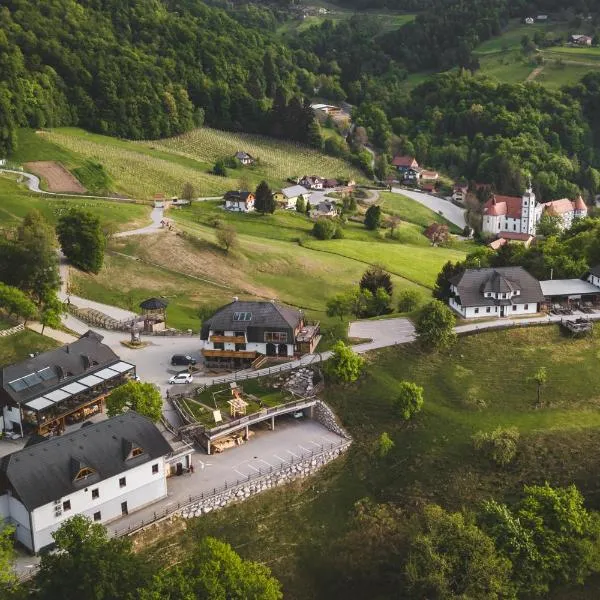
(154, 311)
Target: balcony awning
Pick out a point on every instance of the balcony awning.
(74, 388)
(106, 374)
(57, 395)
(90, 380)
(39, 403)
(122, 367)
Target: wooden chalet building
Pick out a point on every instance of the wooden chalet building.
(243, 331)
(60, 387)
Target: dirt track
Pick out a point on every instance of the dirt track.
(57, 178)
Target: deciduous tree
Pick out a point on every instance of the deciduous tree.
(344, 365)
(8, 577)
(82, 240)
(453, 559)
(143, 398)
(499, 445)
(408, 300)
(189, 191)
(383, 445)
(435, 326)
(15, 302)
(409, 400)
(226, 236)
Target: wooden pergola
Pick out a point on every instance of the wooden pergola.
(154, 311)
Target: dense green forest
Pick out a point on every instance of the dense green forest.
(143, 68)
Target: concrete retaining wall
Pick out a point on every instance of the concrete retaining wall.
(303, 468)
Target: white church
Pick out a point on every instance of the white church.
(511, 216)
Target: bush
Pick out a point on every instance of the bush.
(499, 445)
(326, 229)
(408, 300)
(409, 400)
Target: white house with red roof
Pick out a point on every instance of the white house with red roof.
(510, 214)
(567, 210)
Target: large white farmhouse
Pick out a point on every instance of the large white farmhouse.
(104, 471)
(500, 292)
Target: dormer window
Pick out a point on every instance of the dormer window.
(84, 473)
(136, 452)
(131, 450)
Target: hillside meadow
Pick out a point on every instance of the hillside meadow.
(275, 257)
(147, 168)
(294, 529)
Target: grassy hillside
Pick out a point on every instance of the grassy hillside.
(292, 529)
(16, 201)
(143, 169)
(276, 257)
(19, 346)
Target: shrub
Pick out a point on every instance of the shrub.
(324, 228)
(499, 445)
(409, 401)
(408, 300)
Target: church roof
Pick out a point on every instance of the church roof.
(508, 206)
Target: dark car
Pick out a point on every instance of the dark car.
(182, 359)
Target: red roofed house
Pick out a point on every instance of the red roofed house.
(566, 209)
(407, 166)
(510, 214)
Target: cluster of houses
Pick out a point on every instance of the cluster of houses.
(410, 173)
(103, 470)
(512, 291)
(510, 218)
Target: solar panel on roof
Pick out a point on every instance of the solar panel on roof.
(242, 316)
(32, 379)
(46, 374)
(18, 385)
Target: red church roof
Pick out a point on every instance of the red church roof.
(509, 206)
(405, 161)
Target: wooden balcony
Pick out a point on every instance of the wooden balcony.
(228, 354)
(234, 339)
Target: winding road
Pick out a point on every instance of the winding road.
(445, 208)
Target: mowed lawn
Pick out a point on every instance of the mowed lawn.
(16, 201)
(19, 346)
(476, 386)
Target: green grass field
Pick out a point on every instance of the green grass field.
(16, 201)
(291, 529)
(411, 211)
(17, 347)
(144, 169)
(276, 257)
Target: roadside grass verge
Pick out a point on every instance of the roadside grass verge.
(16, 201)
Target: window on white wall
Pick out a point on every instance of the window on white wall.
(66, 505)
(97, 516)
(122, 482)
(155, 469)
(95, 493)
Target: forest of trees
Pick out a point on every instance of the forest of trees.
(140, 69)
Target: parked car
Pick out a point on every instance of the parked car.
(182, 378)
(182, 359)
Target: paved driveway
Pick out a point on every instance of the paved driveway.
(450, 211)
(387, 332)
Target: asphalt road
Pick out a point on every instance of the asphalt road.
(449, 211)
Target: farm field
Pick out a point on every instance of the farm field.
(55, 176)
(16, 201)
(294, 529)
(144, 169)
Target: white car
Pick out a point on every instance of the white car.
(182, 378)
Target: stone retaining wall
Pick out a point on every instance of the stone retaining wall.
(303, 468)
(324, 415)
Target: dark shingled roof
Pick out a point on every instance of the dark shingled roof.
(153, 304)
(474, 282)
(263, 314)
(46, 471)
(62, 366)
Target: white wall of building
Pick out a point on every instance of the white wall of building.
(11, 415)
(142, 487)
(480, 312)
(260, 347)
(594, 280)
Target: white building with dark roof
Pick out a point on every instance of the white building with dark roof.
(103, 472)
(240, 332)
(499, 292)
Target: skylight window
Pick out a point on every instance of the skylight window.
(242, 316)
